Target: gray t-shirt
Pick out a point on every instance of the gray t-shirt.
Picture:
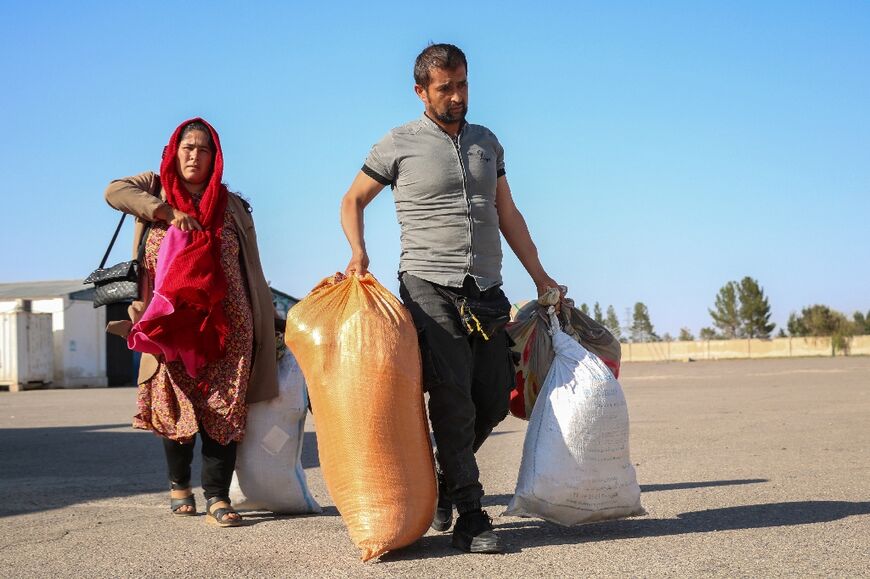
(445, 200)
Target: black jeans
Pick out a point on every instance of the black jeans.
(468, 380)
(218, 464)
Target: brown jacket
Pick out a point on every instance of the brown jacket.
(139, 196)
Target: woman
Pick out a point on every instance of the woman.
(206, 323)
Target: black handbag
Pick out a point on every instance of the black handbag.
(120, 282)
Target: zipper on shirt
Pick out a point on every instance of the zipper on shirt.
(457, 148)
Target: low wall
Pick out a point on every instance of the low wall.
(731, 349)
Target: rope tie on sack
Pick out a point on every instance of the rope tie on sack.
(554, 326)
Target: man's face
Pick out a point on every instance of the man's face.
(446, 97)
(194, 158)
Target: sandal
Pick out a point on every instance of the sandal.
(218, 516)
(188, 501)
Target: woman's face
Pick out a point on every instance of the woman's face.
(194, 158)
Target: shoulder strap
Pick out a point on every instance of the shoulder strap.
(114, 237)
(155, 185)
(121, 223)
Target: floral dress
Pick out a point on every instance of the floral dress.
(170, 403)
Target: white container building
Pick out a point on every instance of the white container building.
(77, 328)
(26, 349)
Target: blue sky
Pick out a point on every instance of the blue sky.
(657, 150)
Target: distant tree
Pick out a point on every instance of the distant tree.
(641, 327)
(820, 320)
(626, 324)
(726, 311)
(686, 335)
(861, 323)
(584, 308)
(754, 310)
(795, 325)
(612, 323)
(816, 320)
(708, 334)
(781, 334)
(667, 337)
(596, 313)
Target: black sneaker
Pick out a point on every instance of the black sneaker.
(443, 510)
(443, 515)
(473, 533)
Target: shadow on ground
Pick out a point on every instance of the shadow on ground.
(503, 500)
(49, 468)
(532, 533)
(256, 517)
(700, 484)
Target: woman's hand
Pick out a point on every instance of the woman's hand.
(184, 222)
(179, 219)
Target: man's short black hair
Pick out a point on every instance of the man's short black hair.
(443, 56)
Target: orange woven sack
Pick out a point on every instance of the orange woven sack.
(358, 350)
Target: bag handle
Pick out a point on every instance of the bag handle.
(112, 243)
(144, 231)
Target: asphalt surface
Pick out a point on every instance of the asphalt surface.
(748, 469)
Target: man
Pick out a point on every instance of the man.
(452, 199)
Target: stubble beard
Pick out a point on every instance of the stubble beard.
(447, 118)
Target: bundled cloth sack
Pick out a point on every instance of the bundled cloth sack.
(533, 346)
(269, 474)
(358, 349)
(576, 467)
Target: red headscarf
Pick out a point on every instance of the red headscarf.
(194, 283)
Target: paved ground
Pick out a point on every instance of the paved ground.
(749, 468)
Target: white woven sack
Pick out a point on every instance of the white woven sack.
(575, 467)
(269, 474)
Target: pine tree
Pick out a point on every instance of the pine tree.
(861, 322)
(584, 308)
(612, 323)
(686, 335)
(726, 315)
(754, 310)
(708, 334)
(641, 326)
(596, 313)
(626, 324)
